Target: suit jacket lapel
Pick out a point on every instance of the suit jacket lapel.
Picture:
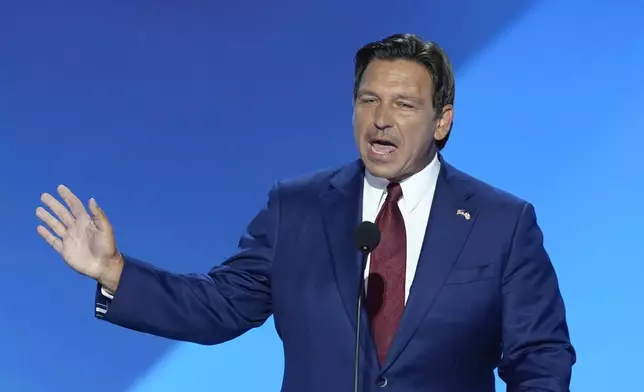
(446, 233)
(342, 213)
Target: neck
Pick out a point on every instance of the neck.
(429, 157)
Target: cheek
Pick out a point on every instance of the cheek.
(417, 137)
(356, 130)
(358, 126)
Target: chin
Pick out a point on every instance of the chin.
(381, 170)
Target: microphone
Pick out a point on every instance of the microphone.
(367, 239)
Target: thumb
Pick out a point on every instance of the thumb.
(99, 217)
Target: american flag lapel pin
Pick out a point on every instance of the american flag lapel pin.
(464, 214)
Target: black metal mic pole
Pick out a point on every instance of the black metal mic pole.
(367, 239)
(356, 361)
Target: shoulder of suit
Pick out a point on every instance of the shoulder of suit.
(486, 193)
(312, 183)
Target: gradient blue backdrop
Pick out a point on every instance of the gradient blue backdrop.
(178, 116)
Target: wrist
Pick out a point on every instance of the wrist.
(111, 276)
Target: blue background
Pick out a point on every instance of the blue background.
(178, 116)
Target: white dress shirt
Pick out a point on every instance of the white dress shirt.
(415, 205)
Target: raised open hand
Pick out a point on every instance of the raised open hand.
(85, 242)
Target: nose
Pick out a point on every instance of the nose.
(382, 119)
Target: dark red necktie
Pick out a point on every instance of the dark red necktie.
(386, 282)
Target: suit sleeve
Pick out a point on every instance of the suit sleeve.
(537, 352)
(201, 308)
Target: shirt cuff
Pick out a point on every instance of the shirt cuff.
(103, 300)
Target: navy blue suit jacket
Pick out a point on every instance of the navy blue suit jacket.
(485, 293)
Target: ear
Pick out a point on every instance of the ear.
(444, 123)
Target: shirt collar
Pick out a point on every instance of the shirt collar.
(414, 188)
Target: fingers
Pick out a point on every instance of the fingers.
(52, 222)
(74, 203)
(61, 212)
(98, 216)
(51, 239)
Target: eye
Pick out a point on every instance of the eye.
(368, 100)
(405, 105)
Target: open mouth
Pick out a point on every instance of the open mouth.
(382, 147)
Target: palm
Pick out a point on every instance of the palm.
(85, 246)
(85, 242)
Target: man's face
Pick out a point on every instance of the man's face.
(394, 121)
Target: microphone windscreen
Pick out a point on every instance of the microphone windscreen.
(367, 237)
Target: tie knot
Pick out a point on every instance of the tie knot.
(394, 192)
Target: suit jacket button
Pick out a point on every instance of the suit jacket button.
(382, 382)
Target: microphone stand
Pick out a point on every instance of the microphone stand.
(356, 361)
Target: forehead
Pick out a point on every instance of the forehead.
(397, 76)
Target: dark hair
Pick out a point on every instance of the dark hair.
(411, 47)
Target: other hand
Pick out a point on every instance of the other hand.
(85, 242)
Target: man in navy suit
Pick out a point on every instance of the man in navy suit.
(459, 285)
